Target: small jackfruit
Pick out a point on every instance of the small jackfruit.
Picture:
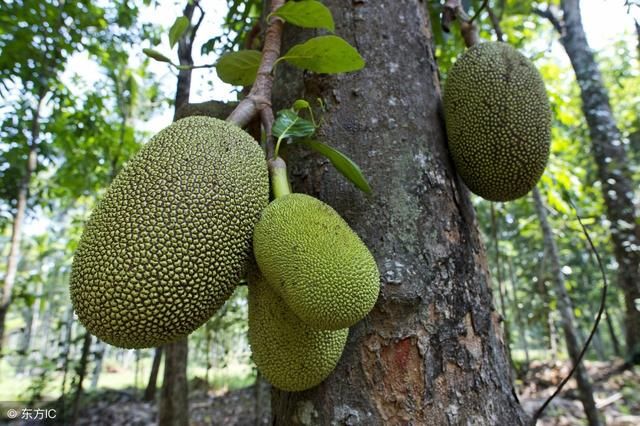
(315, 262)
(169, 241)
(291, 355)
(498, 121)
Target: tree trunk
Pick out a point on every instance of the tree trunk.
(612, 334)
(598, 346)
(81, 372)
(185, 45)
(565, 308)
(506, 323)
(18, 217)
(553, 335)
(174, 408)
(25, 341)
(100, 354)
(432, 350)
(65, 340)
(521, 327)
(613, 170)
(150, 390)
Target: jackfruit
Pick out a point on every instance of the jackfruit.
(498, 121)
(290, 355)
(315, 262)
(169, 241)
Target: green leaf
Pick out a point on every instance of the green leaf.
(307, 14)
(288, 124)
(208, 46)
(342, 163)
(154, 54)
(177, 30)
(239, 68)
(300, 104)
(325, 54)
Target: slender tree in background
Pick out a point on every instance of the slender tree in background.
(611, 159)
(431, 351)
(150, 391)
(565, 307)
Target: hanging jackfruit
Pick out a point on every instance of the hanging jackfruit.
(291, 355)
(498, 121)
(315, 262)
(169, 241)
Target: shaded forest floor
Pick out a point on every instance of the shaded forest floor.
(617, 395)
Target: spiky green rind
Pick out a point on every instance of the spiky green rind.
(315, 262)
(169, 241)
(498, 121)
(291, 355)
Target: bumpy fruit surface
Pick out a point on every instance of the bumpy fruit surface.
(498, 121)
(169, 241)
(291, 355)
(315, 262)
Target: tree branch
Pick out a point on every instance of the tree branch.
(200, 19)
(495, 23)
(552, 17)
(258, 101)
(185, 45)
(452, 10)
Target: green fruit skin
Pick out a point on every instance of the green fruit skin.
(291, 355)
(169, 241)
(498, 121)
(315, 262)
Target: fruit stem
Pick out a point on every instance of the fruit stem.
(279, 181)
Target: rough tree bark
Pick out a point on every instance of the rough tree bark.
(611, 159)
(18, 217)
(565, 308)
(431, 352)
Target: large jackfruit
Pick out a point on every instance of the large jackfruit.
(169, 241)
(315, 262)
(291, 355)
(498, 121)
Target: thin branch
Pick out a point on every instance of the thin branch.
(200, 19)
(259, 98)
(551, 16)
(485, 3)
(495, 23)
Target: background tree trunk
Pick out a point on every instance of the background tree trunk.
(150, 390)
(99, 355)
(174, 404)
(18, 216)
(519, 321)
(613, 169)
(565, 308)
(81, 372)
(432, 350)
